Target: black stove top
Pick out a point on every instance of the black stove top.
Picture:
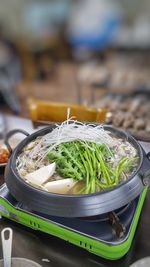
(113, 228)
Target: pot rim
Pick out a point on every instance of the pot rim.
(31, 137)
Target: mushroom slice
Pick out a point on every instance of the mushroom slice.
(41, 175)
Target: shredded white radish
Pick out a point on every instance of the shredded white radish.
(70, 130)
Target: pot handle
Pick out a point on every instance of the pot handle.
(10, 134)
(148, 155)
(146, 176)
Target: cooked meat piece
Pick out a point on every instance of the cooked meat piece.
(145, 109)
(128, 122)
(134, 105)
(139, 124)
(118, 119)
(124, 106)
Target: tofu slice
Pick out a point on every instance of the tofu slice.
(60, 186)
(41, 175)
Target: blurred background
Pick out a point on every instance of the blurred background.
(92, 53)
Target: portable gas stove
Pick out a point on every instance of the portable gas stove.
(109, 237)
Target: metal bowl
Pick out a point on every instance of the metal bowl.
(76, 205)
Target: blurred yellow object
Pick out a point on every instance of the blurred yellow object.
(44, 111)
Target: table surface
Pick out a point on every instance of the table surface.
(51, 251)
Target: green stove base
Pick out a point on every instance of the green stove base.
(10, 209)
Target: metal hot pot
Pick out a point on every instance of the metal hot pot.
(75, 205)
